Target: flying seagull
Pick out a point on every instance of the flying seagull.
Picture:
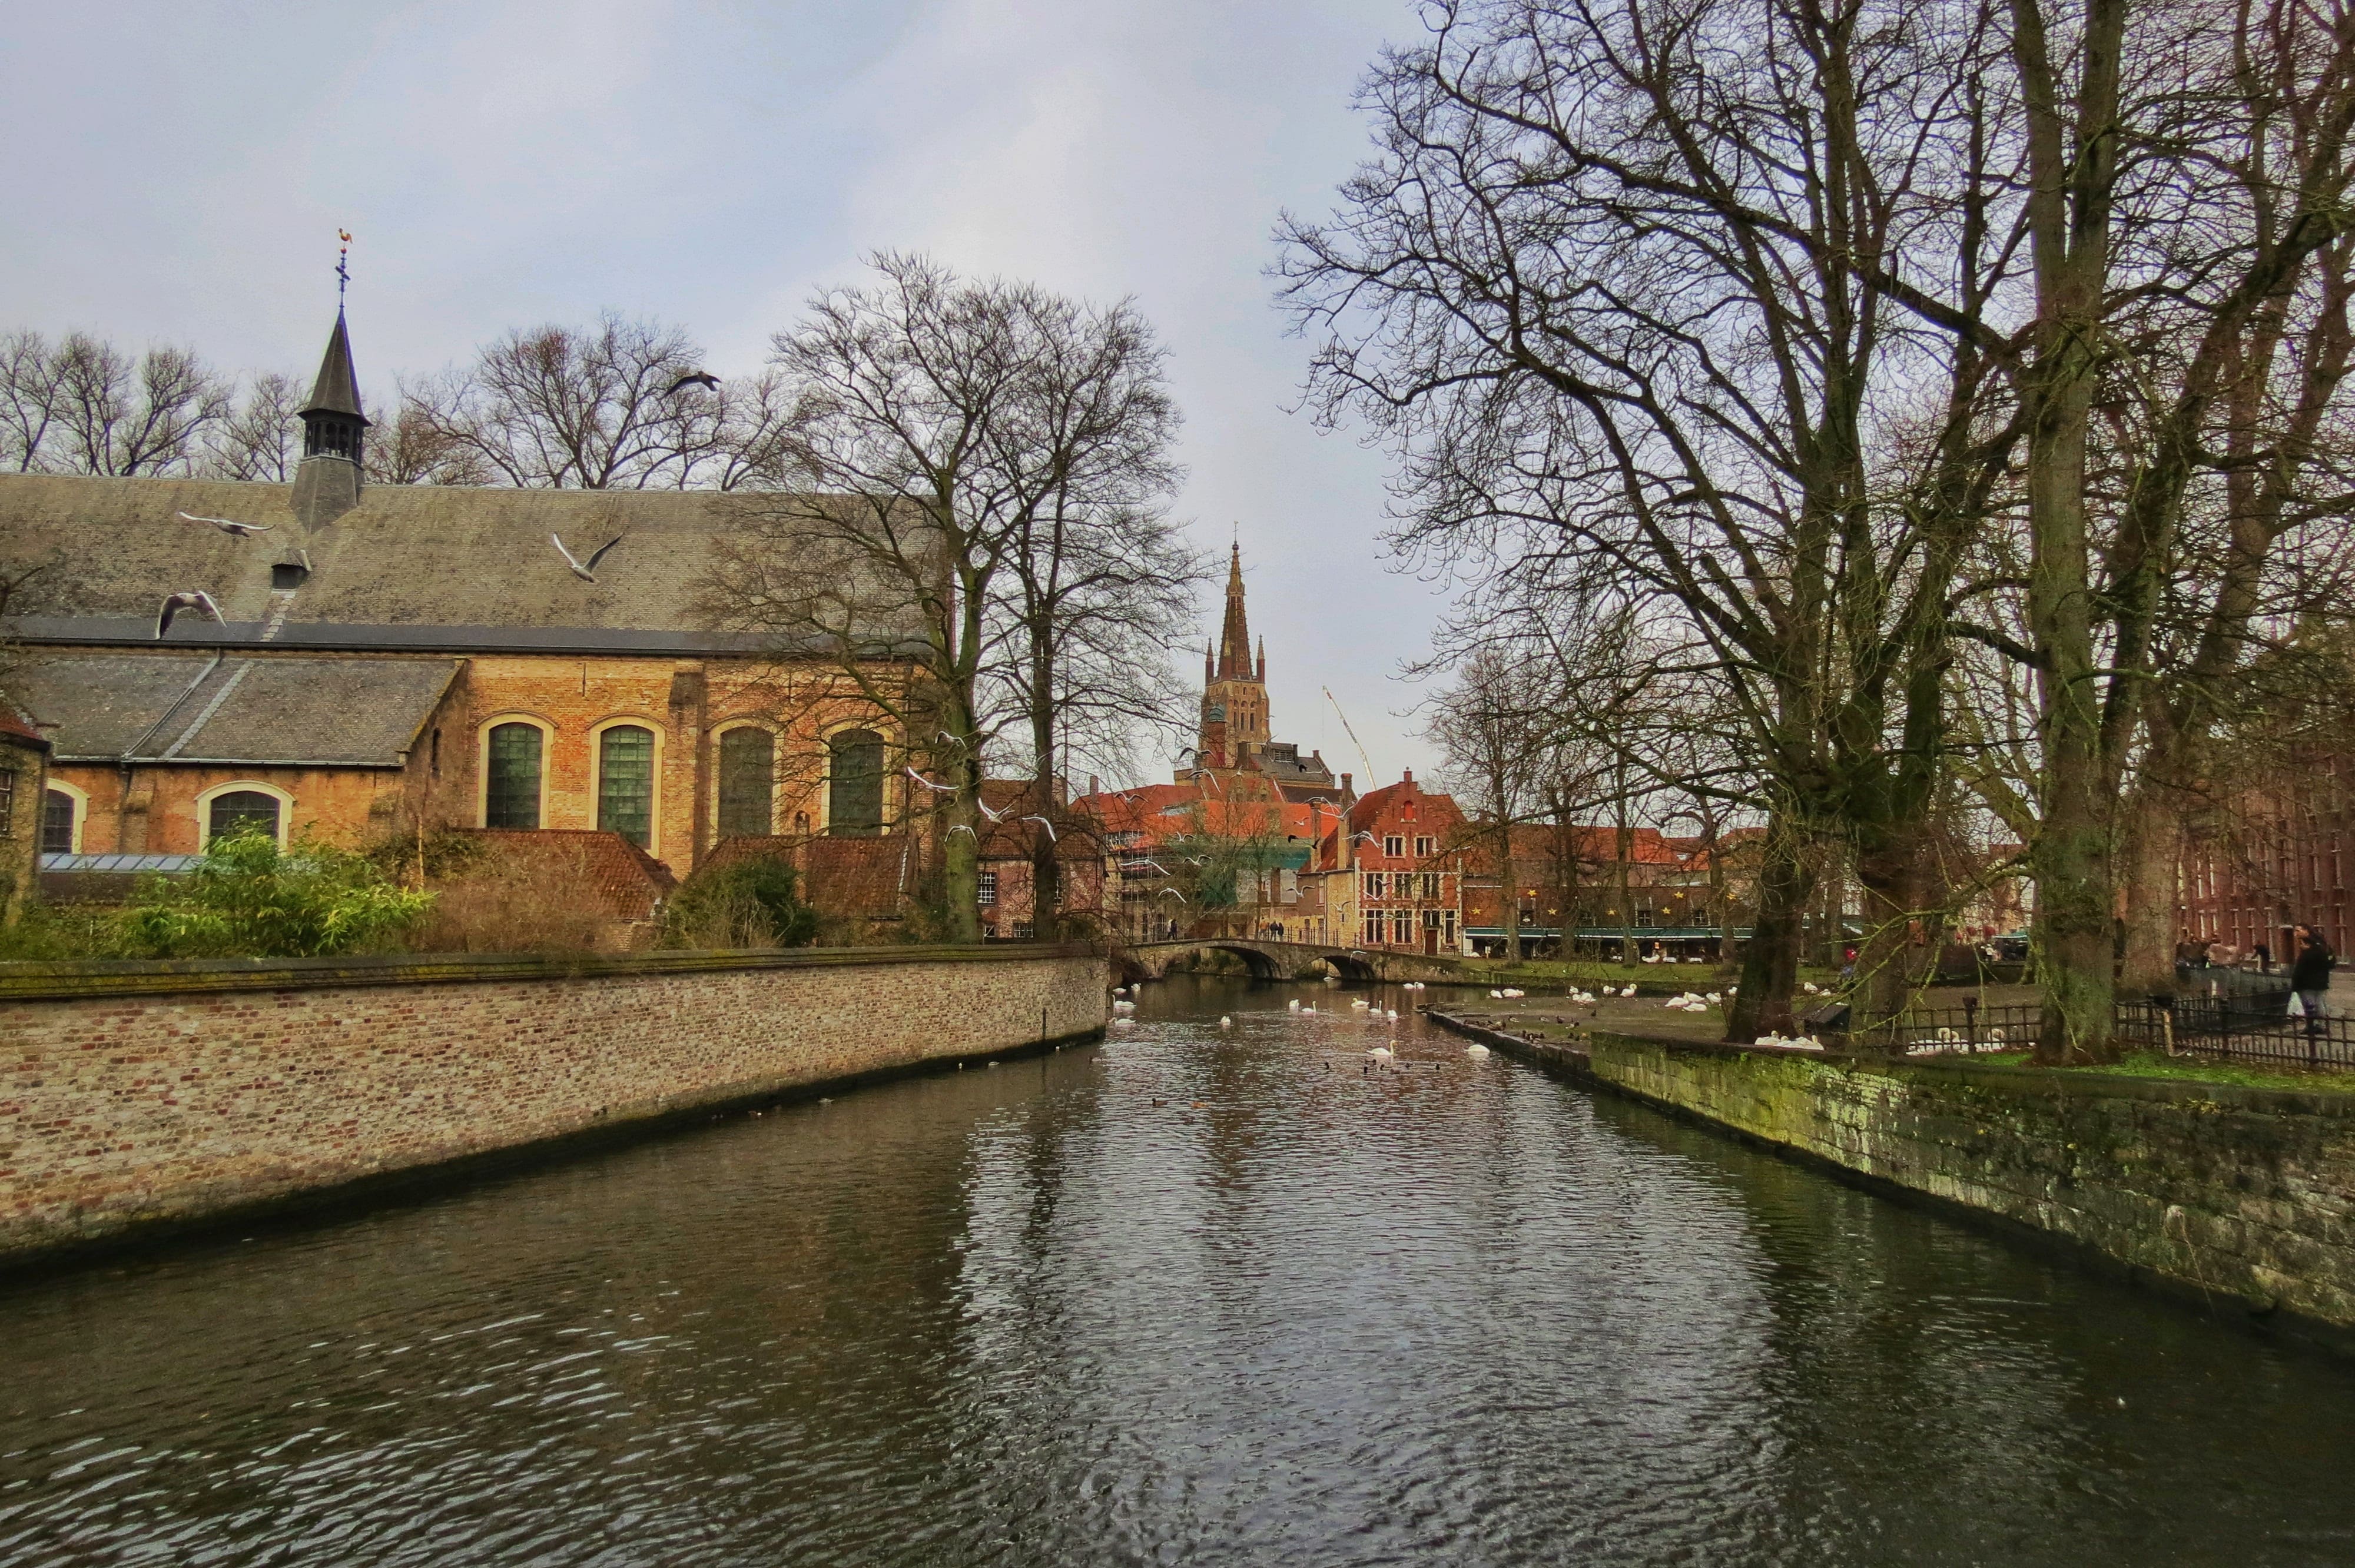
(935, 789)
(703, 378)
(993, 816)
(961, 828)
(1044, 824)
(196, 599)
(585, 572)
(241, 530)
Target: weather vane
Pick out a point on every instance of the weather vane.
(343, 267)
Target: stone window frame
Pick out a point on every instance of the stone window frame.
(482, 761)
(894, 803)
(776, 767)
(80, 799)
(597, 772)
(205, 799)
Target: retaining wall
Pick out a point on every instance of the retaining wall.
(2236, 1193)
(134, 1095)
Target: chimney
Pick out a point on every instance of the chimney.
(1092, 784)
(1410, 779)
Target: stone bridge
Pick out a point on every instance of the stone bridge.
(1294, 961)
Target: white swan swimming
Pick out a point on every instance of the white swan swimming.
(1475, 1051)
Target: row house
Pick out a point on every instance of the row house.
(2274, 858)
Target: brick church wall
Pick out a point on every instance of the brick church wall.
(139, 1097)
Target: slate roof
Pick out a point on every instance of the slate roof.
(411, 566)
(337, 391)
(189, 707)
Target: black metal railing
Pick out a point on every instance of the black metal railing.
(2238, 1023)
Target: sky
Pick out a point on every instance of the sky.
(182, 171)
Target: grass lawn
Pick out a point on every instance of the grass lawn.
(2201, 1070)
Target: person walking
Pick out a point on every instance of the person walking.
(2310, 976)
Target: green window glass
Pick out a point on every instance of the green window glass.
(241, 808)
(625, 783)
(854, 805)
(512, 799)
(748, 783)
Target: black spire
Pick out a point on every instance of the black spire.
(337, 391)
(328, 484)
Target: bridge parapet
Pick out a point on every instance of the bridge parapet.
(1297, 960)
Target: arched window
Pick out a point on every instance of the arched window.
(238, 809)
(854, 800)
(625, 783)
(60, 816)
(511, 795)
(748, 782)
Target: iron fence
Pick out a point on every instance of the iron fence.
(2252, 1024)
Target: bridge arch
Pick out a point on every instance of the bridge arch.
(1266, 960)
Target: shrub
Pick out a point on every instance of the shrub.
(248, 898)
(500, 906)
(752, 904)
(65, 933)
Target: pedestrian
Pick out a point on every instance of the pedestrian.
(2310, 977)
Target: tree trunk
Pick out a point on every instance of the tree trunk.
(1886, 875)
(1046, 867)
(1508, 882)
(1620, 846)
(1770, 965)
(2151, 842)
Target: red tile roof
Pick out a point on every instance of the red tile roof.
(624, 879)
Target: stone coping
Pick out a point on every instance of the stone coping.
(2020, 1078)
(162, 977)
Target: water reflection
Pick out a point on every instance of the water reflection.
(1197, 1295)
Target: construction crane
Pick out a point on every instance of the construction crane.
(1351, 734)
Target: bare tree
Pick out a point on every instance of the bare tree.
(925, 471)
(261, 439)
(31, 395)
(409, 446)
(111, 414)
(1498, 726)
(595, 408)
(1099, 585)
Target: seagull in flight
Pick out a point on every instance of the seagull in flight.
(243, 530)
(196, 599)
(961, 828)
(703, 378)
(1044, 824)
(586, 572)
(993, 816)
(935, 789)
(1141, 864)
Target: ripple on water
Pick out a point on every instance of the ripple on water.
(1198, 1295)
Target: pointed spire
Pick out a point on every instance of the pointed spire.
(1209, 665)
(1262, 661)
(337, 389)
(1234, 646)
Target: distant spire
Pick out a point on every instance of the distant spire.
(1234, 645)
(1262, 661)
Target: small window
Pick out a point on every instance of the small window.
(511, 798)
(625, 783)
(239, 810)
(1431, 885)
(1401, 926)
(433, 756)
(1373, 884)
(1373, 935)
(855, 784)
(7, 803)
(748, 782)
(1422, 848)
(56, 822)
(1394, 845)
(988, 888)
(285, 577)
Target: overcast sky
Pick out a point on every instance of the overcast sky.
(182, 171)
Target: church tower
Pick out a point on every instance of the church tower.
(328, 484)
(1234, 685)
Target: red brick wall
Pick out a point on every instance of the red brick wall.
(123, 1110)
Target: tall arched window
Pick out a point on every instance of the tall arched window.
(854, 799)
(511, 793)
(625, 783)
(748, 782)
(241, 808)
(60, 815)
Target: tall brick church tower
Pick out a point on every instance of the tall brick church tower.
(1234, 687)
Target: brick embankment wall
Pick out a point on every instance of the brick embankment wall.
(135, 1097)
(2235, 1194)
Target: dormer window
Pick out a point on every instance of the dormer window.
(285, 577)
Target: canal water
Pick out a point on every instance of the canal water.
(1200, 1295)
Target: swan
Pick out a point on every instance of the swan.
(1225, 1022)
(1475, 1051)
(1629, 991)
(1123, 1007)
(1379, 1053)
(1497, 995)
(1391, 1015)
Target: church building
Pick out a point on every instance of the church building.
(392, 658)
(1235, 748)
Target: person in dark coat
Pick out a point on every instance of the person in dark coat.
(2310, 977)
